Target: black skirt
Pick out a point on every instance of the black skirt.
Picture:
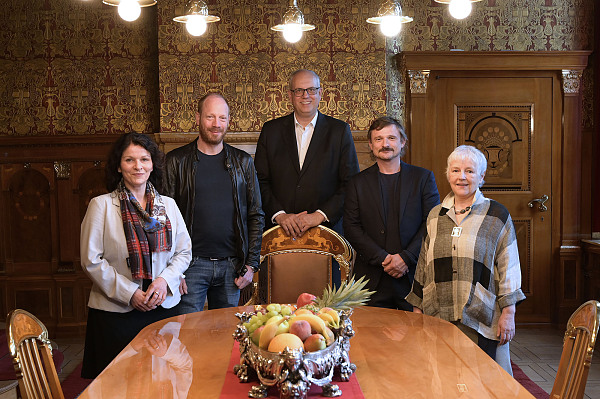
(108, 333)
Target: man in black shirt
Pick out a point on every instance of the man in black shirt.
(385, 211)
(216, 189)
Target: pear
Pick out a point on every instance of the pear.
(255, 337)
(315, 342)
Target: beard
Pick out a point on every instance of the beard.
(209, 138)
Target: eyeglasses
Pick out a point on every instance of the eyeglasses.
(300, 92)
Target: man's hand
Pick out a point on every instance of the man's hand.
(394, 266)
(308, 220)
(182, 286)
(246, 279)
(290, 223)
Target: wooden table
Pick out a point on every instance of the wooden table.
(397, 354)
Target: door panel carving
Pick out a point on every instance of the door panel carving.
(503, 134)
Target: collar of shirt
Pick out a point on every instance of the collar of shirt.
(303, 137)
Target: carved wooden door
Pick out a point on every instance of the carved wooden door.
(510, 119)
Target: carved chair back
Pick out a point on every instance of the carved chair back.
(578, 347)
(32, 357)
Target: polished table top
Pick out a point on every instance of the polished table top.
(398, 355)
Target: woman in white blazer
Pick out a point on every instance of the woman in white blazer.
(135, 247)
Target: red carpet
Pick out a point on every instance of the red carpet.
(73, 385)
(7, 371)
(531, 386)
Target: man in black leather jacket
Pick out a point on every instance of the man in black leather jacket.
(216, 189)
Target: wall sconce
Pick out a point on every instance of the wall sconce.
(390, 18)
(129, 10)
(459, 9)
(293, 24)
(196, 17)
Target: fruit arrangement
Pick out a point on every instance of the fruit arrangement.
(294, 346)
(308, 324)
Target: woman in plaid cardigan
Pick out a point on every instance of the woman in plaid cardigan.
(468, 271)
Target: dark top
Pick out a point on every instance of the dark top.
(213, 233)
(390, 195)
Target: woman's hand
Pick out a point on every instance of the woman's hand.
(156, 293)
(506, 325)
(137, 301)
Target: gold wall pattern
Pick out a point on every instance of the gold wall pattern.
(74, 67)
(250, 64)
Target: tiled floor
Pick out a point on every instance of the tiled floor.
(535, 350)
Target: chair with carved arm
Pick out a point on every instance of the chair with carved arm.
(578, 347)
(297, 265)
(32, 356)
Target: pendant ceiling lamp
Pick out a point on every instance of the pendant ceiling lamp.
(293, 24)
(196, 17)
(389, 18)
(459, 9)
(129, 10)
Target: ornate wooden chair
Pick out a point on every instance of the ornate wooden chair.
(32, 357)
(303, 264)
(578, 347)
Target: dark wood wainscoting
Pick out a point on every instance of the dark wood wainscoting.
(46, 184)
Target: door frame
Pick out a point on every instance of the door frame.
(567, 68)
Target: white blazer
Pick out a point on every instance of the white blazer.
(104, 255)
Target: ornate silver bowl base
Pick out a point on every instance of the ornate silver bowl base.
(293, 371)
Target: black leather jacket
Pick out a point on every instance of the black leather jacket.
(250, 218)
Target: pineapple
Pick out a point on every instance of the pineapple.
(346, 296)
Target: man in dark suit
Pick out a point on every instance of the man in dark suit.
(384, 215)
(304, 161)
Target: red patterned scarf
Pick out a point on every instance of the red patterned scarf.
(145, 232)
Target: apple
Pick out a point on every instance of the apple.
(301, 328)
(305, 299)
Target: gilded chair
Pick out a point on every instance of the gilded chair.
(578, 347)
(297, 265)
(32, 357)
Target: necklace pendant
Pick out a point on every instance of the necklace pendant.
(456, 231)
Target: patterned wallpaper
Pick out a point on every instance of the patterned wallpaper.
(250, 63)
(74, 67)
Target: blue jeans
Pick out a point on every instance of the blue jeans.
(212, 280)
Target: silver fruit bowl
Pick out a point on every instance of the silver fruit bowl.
(294, 370)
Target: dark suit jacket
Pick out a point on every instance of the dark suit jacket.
(364, 220)
(329, 164)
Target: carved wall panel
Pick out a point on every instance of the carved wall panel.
(30, 211)
(44, 201)
(503, 134)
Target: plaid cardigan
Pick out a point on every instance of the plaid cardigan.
(471, 276)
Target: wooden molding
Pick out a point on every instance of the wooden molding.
(494, 60)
